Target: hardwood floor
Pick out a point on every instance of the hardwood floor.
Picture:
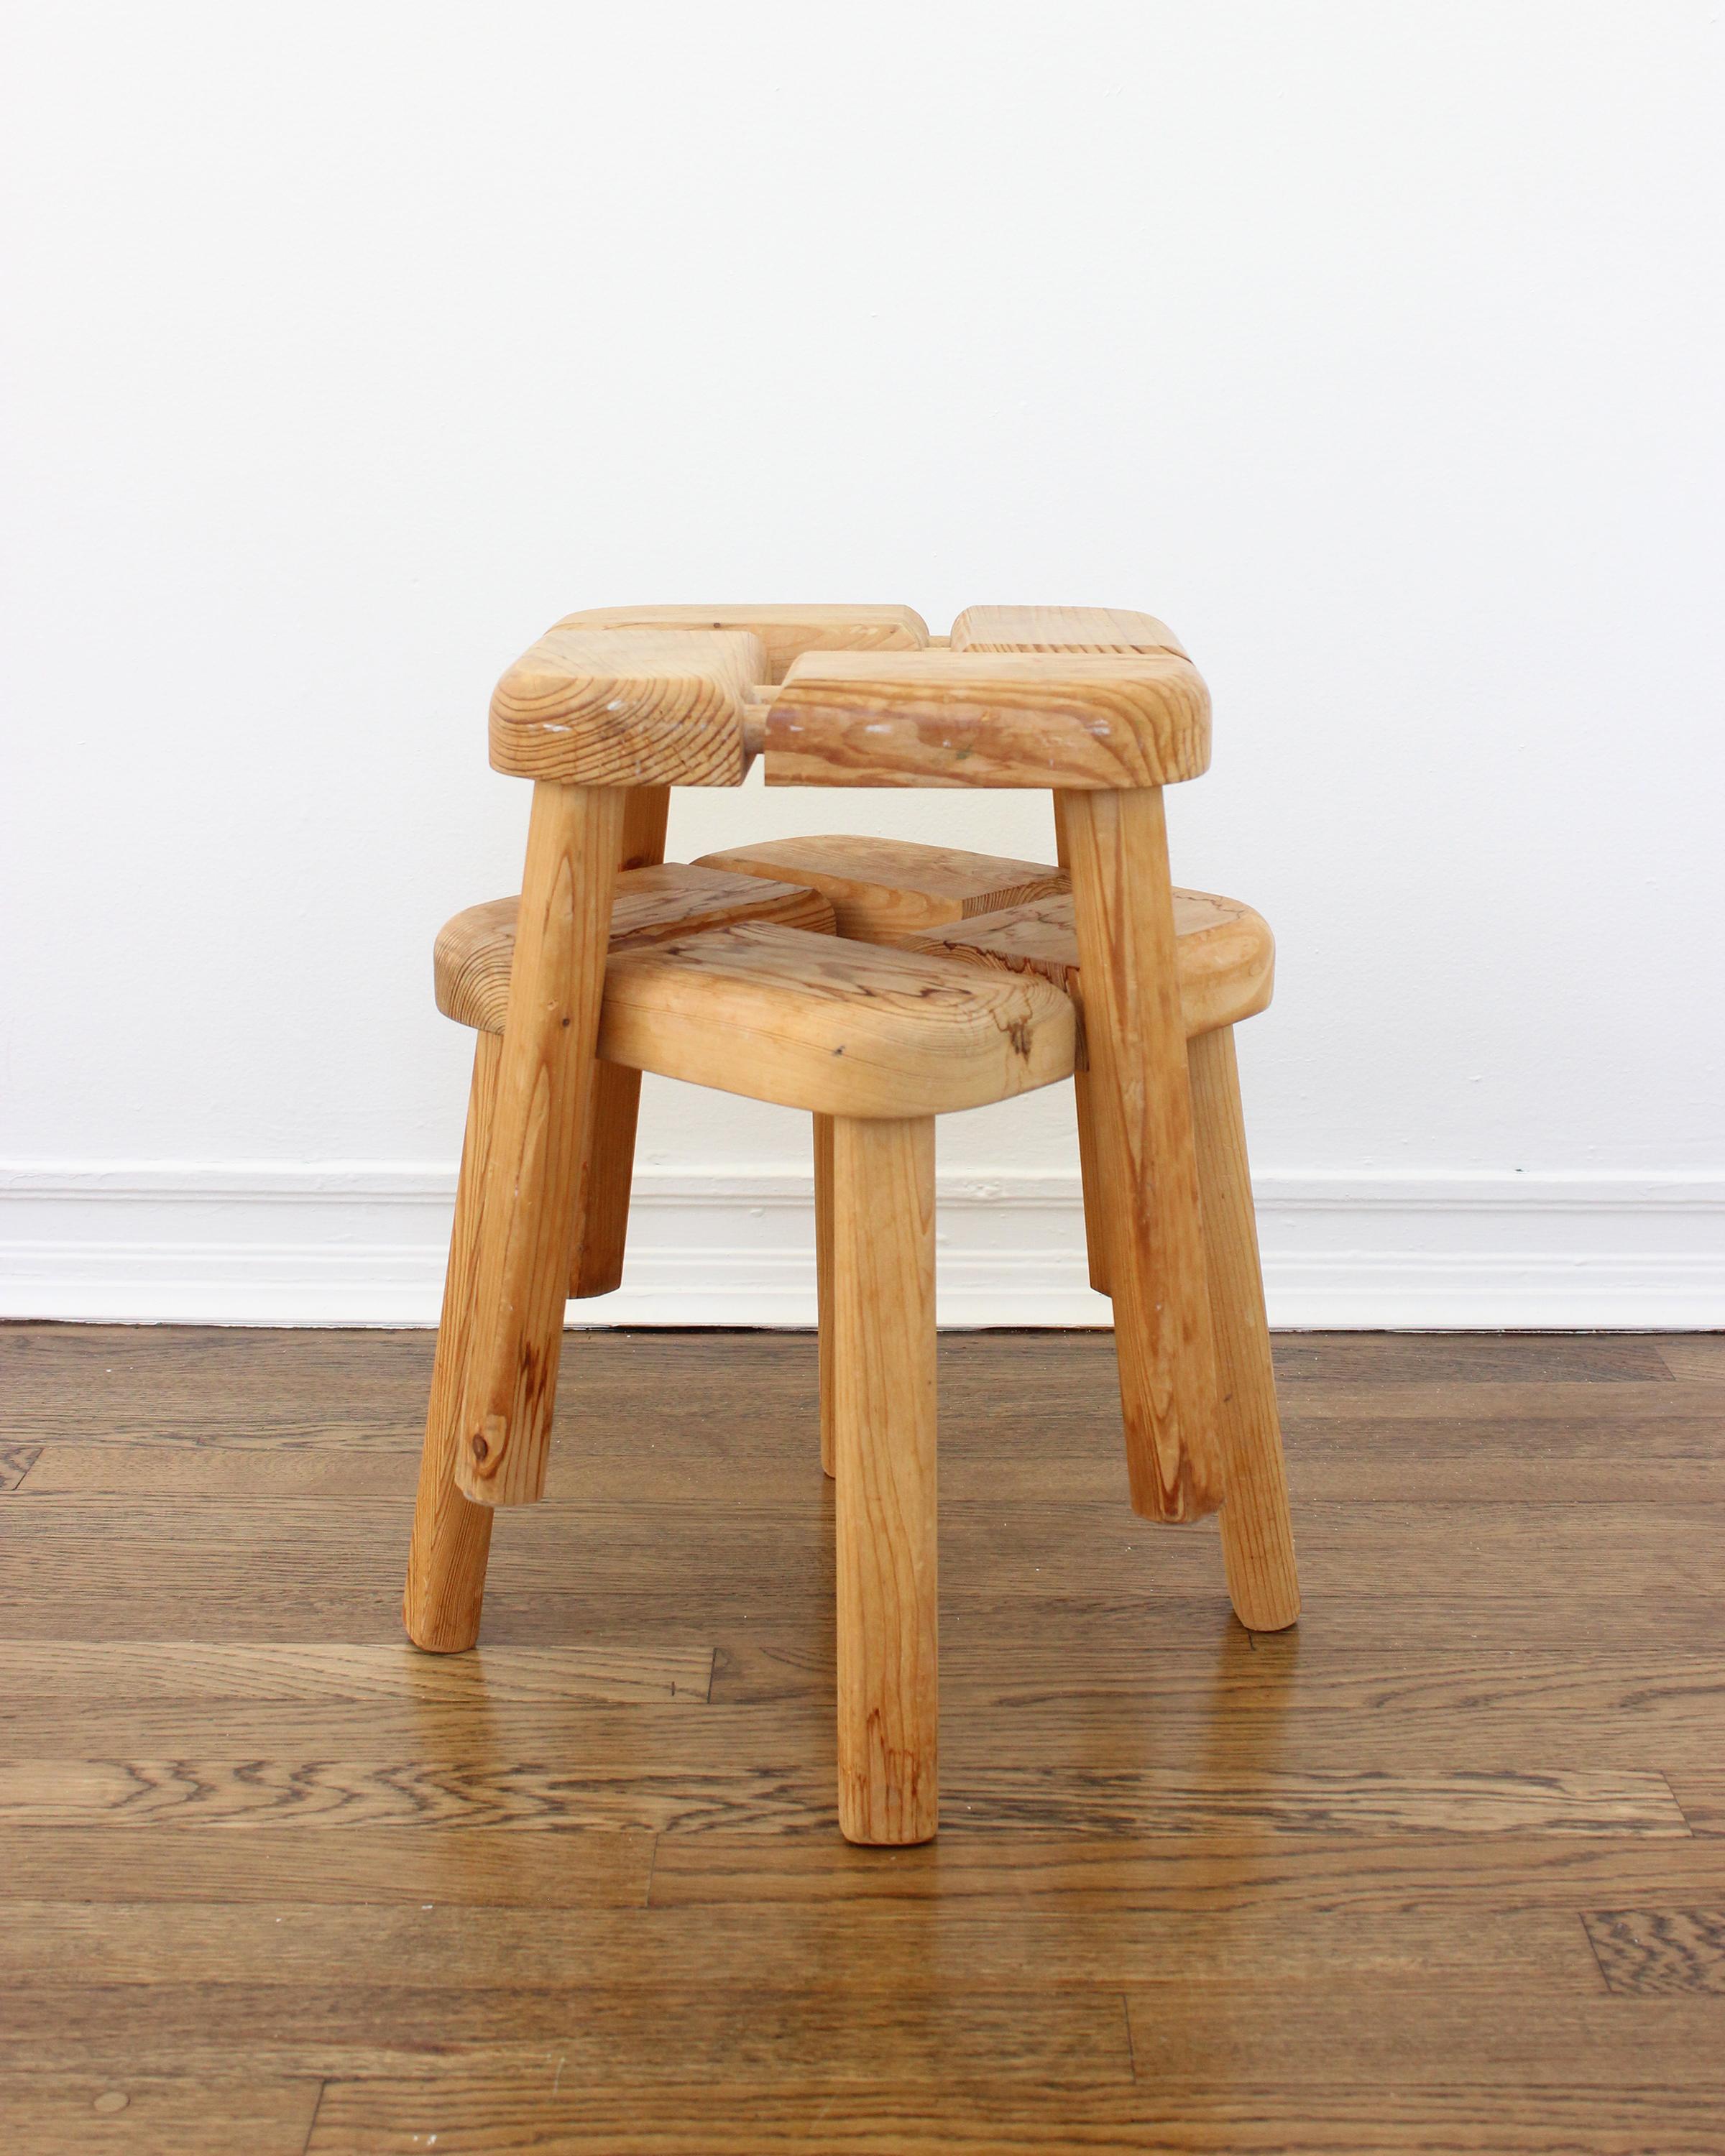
(1444, 1870)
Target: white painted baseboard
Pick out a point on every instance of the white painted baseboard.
(359, 1244)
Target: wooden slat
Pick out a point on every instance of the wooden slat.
(76, 1672)
(578, 2035)
(475, 951)
(882, 889)
(1702, 1794)
(1062, 628)
(1700, 1359)
(628, 707)
(1648, 1954)
(78, 2114)
(475, 1866)
(460, 1947)
(837, 1028)
(1225, 952)
(961, 718)
(632, 1789)
(785, 632)
(1225, 1875)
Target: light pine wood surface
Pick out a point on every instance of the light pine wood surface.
(970, 718)
(533, 1154)
(1061, 628)
(628, 707)
(837, 1028)
(884, 891)
(1225, 953)
(1440, 1870)
(608, 1137)
(1140, 1108)
(880, 1367)
(785, 632)
(475, 951)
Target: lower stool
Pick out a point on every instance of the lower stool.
(875, 1043)
(1018, 917)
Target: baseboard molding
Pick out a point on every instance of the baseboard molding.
(361, 1244)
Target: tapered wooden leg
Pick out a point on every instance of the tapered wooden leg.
(608, 1143)
(824, 1280)
(1257, 1534)
(1141, 1106)
(452, 1537)
(1090, 1166)
(557, 984)
(884, 1439)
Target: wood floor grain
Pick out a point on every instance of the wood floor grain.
(1442, 1869)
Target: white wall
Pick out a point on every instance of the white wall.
(1376, 347)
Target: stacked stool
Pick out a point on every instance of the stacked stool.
(876, 986)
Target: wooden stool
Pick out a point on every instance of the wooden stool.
(604, 715)
(875, 1044)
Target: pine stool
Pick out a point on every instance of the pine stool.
(875, 1044)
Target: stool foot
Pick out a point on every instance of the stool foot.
(533, 1170)
(1139, 1098)
(824, 1280)
(883, 1362)
(452, 1537)
(1257, 1534)
(608, 1143)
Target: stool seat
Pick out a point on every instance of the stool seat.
(798, 1017)
(1015, 915)
(1226, 952)
(785, 632)
(473, 954)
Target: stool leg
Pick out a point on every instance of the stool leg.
(1090, 1165)
(452, 1537)
(884, 1432)
(1135, 1040)
(1257, 1534)
(823, 1282)
(557, 984)
(608, 1143)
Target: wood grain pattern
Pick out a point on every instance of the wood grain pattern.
(836, 1027)
(785, 632)
(1220, 2117)
(627, 708)
(16, 1461)
(823, 1284)
(1141, 1105)
(1257, 1532)
(476, 950)
(608, 1136)
(883, 1424)
(1062, 628)
(572, 2036)
(961, 718)
(179, 2115)
(451, 1541)
(533, 1153)
(1647, 1952)
(182, 1671)
(884, 890)
(1442, 1869)
(458, 1948)
(1225, 951)
(1090, 1157)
